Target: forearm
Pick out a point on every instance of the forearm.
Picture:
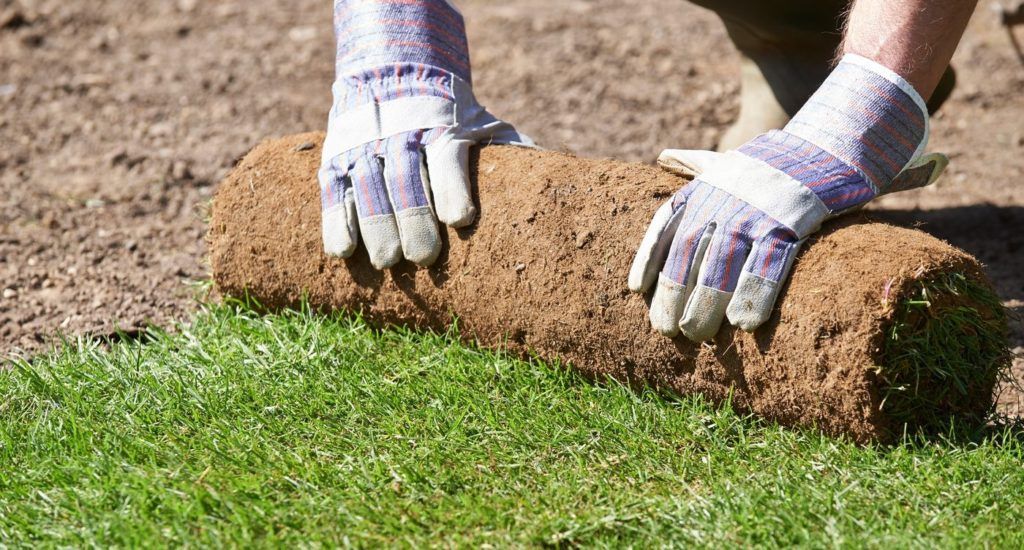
(914, 38)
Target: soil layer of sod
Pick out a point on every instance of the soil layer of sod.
(879, 327)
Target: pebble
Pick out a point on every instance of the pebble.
(583, 238)
(180, 171)
(305, 146)
(10, 293)
(520, 268)
(302, 34)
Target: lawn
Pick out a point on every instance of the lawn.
(241, 429)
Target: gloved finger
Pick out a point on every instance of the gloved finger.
(448, 175)
(654, 247)
(764, 273)
(489, 130)
(921, 172)
(417, 226)
(477, 125)
(376, 216)
(339, 225)
(678, 278)
(719, 273)
(688, 163)
(679, 272)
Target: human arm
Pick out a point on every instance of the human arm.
(914, 38)
(723, 246)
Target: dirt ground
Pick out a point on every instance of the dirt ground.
(117, 118)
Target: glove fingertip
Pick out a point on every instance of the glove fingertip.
(338, 233)
(752, 303)
(421, 241)
(455, 211)
(667, 306)
(705, 312)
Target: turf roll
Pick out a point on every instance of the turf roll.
(880, 328)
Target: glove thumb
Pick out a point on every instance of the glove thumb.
(687, 163)
(921, 172)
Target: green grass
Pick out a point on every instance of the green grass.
(942, 358)
(297, 429)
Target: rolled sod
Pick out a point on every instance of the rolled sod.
(880, 328)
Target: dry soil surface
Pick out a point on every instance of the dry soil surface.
(117, 118)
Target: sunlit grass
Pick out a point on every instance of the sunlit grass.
(299, 429)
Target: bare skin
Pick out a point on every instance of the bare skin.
(914, 38)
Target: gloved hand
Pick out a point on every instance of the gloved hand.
(399, 132)
(724, 243)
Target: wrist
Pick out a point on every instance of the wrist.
(387, 32)
(383, 84)
(866, 117)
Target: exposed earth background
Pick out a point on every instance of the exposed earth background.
(119, 119)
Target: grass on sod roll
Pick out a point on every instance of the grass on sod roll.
(941, 356)
(295, 428)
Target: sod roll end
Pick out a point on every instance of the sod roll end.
(879, 328)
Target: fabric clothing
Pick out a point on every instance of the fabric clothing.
(378, 33)
(788, 48)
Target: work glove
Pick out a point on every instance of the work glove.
(723, 245)
(395, 159)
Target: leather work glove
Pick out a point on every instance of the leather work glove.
(724, 244)
(398, 135)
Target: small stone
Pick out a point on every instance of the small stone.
(583, 238)
(119, 156)
(302, 34)
(94, 203)
(520, 268)
(305, 146)
(10, 293)
(49, 220)
(180, 171)
(160, 129)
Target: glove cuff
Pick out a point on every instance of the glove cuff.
(385, 83)
(386, 32)
(866, 117)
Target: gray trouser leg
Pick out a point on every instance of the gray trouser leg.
(787, 49)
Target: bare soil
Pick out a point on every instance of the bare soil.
(116, 119)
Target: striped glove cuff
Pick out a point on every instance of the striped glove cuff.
(853, 136)
(376, 33)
